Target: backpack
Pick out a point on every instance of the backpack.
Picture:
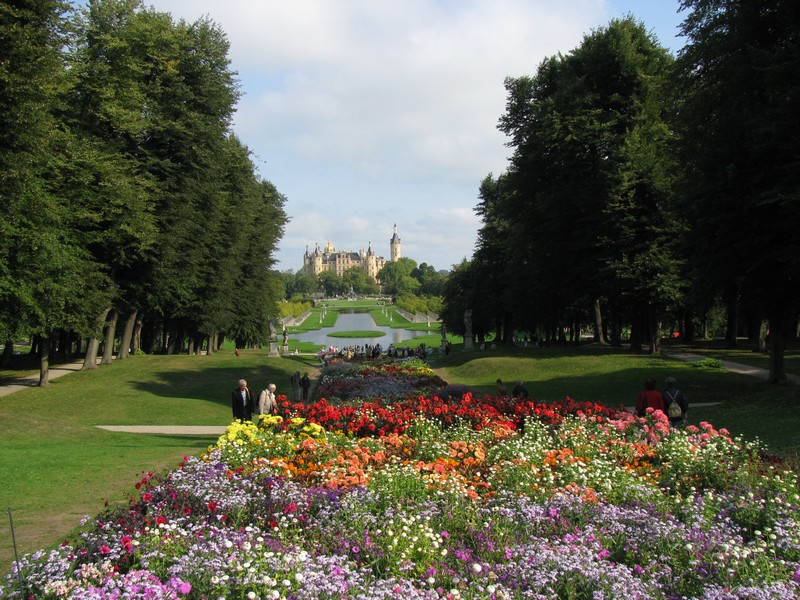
(674, 410)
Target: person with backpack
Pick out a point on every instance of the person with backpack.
(676, 403)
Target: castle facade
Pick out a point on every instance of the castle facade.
(329, 259)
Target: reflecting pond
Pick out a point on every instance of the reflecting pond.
(358, 321)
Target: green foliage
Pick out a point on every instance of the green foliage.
(709, 363)
(294, 308)
(416, 304)
(585, 210)
(396, 277)
(739, 132)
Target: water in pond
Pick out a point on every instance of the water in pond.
(358, 321)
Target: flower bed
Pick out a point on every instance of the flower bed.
(445, 499)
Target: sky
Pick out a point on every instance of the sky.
(366, 114)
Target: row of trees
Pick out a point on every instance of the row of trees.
(644, 187)
(125, 197)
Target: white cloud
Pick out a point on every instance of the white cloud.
(369, 112)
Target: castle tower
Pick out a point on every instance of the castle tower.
(395, 246)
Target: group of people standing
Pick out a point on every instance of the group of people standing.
(244, 406)
(673, 402)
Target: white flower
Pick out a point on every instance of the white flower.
(477, 567)
(251, 595)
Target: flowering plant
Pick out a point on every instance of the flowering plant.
(449, 499)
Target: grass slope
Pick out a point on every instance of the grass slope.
(57, 466)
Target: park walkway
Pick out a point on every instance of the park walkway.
(734, 367)
(30, 381)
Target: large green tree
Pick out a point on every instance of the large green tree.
(738, 78)
(587, 197)
(396, 278)
(48, 280)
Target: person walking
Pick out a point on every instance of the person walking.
(242, 402)
(501, 389)
(649, 397)
(295, 379)
(305, 383)
(266, 400)
(677, 404)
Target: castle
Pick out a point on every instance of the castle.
(329, 259)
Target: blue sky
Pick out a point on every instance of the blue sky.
(367, 113)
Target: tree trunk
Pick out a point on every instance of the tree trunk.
(777, 334)
(8, 352)
(210, 342)
(111, 335)
(763, 330)
(688, 333)
(599, 332)
(732, 329)
(90, 360)
(636, 329)
(508, 330)
(136, 343)
(44, 360)
(127, 334)
(655, 330)
(191, 345)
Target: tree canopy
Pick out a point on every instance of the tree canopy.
(124, 190)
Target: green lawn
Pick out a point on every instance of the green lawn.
(614, 377)
(58, 466)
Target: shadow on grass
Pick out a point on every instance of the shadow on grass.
(215, 383)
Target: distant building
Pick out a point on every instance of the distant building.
(329, 259)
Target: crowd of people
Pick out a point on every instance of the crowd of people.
(672, 401)
(373, 351)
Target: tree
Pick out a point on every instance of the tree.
(587, 197)
(741, 98)
(332, 284)
(462, 293)
(113, 193)
(356, 278)
(396, 279)
(48, 281)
